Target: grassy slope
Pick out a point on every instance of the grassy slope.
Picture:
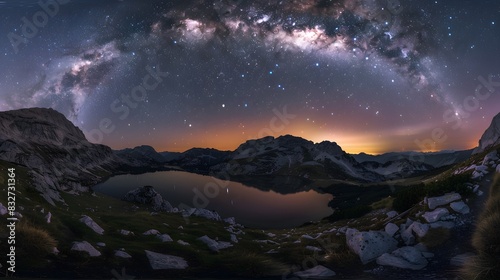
(245, 259)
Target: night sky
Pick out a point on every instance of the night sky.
(373, 76)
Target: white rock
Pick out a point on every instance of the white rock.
(126, 232)
(391, 214)
(482, 169)
(180, 227)
(391, 229)
(477, 175)
(313, 248)
(55, 251)
(164, 237)
(48, 217)
(122, 254)
(420, 229)
(213, 244)
(317, 272)
(460, 207)
(460, 260)
(407, 235)
(101, 244)
(3, 210)
(91, 224)
(151, 232)
(184, 243)
(270, 234)
(404, 257)
(230, 220)
(161, 261)
(435, 215)
(307, 236)
(498, 168)
(434, 202)
(234, 239)
(84, 246)
(493, 156)
(369, 245)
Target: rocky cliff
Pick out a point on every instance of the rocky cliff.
(57, 153)
(491, 136)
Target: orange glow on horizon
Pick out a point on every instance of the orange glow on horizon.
(227, 137)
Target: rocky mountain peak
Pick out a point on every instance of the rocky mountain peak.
(491, 136)
(39, 125)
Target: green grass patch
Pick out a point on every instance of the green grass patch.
(384, 203)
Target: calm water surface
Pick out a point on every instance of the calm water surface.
(250, 206)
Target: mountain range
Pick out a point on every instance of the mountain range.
(61, 159)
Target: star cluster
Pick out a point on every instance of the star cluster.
(372, 75)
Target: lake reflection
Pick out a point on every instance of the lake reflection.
(250, 206)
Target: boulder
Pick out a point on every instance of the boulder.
(491, 157)
(213, 244)
(391, 229)
(370, 245)
(148, 196)
(126, 232)
(391, 214)
(434, 202)
(48, 217)
(404, 257)
(184, 243)
(460, 207)
(164, 237)
(234, 239)
(435, 215)
(151, 232)
(407, 235)
(101, 244)
(91, 224)
(204, 213)
(307, 236)
(461, 259)
(420, 229)
(122, 254)
(84, 246)
(230, 220)
(161, 261)
(317, 272)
